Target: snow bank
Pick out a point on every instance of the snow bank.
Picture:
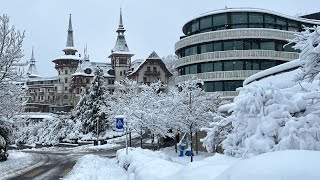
(280, 165)
(205, 169)
(91, 167)
(146, 164)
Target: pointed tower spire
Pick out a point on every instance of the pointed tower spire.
(70, 50)
(70, 34)
(32, 70)
(32, 59)
(121, 29)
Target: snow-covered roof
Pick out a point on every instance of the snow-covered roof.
(72, 57)
(69, 48)
(121, 45)
(152, 56)
(274, 70)
(84, 65)
(246, 9)
(43, 79)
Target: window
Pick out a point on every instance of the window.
(120, 73)
(66, 72)
(267, 64)
(220, 20)
(238, 45)
(239, 20)
(217, 86)
(65, 97)
(206, 22)
(193, 50)
(65, 80)
(267, 45)
(217, 66)
(237, 65)
(87, 80)
(88, 71)
(255, 44)
(228, 45)
(144, 79)
(269, 21)
(187, 70)
(248, 65)
(207, 67)
(155, 69)
(228, 66)
(193, 69)
(217, 46)
(122, 61)
(195, 26)
(206, 48)
(208, 86)
(65, 88)
(255, 65)
(255, 18)
(148, 68)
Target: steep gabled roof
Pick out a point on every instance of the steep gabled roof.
(155, 58)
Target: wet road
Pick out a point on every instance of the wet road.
(52, 165)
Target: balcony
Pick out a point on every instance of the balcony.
(152, 73)
(236, 55)
(218, 76)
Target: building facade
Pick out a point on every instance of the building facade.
(75, 73)
(224, 47)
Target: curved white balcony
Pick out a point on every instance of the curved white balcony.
(227, 94)
(237, 54)
(218, 76)
(244, 33)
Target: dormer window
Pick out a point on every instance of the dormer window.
(88, 71)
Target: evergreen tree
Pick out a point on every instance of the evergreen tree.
(90, 110)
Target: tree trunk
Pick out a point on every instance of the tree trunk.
(197, 148)
(130, 139)
(141, 138)
(191, 144)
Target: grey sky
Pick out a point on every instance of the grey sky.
(150, 24)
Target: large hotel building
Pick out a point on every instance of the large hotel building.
(224, 47)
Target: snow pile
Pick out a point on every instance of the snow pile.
(16, 160)
(91, 167)
(146, 164)
(281, 165)
(205, 169)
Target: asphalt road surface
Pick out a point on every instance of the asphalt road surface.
(57, 164)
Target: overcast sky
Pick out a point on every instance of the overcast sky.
(150, 24)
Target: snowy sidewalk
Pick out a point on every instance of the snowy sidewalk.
(94, 167)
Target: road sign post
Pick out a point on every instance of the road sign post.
(120, 121)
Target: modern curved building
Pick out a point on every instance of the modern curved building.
(224, 47)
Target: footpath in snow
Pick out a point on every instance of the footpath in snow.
(142, 164)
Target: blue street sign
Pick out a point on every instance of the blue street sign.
(119, 123)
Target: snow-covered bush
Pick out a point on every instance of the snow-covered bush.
(48, 131)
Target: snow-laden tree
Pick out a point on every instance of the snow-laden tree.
(90, 109)
(10, 54)
(266, 118)
(308, 42)
(191, 107)
(50, 131)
